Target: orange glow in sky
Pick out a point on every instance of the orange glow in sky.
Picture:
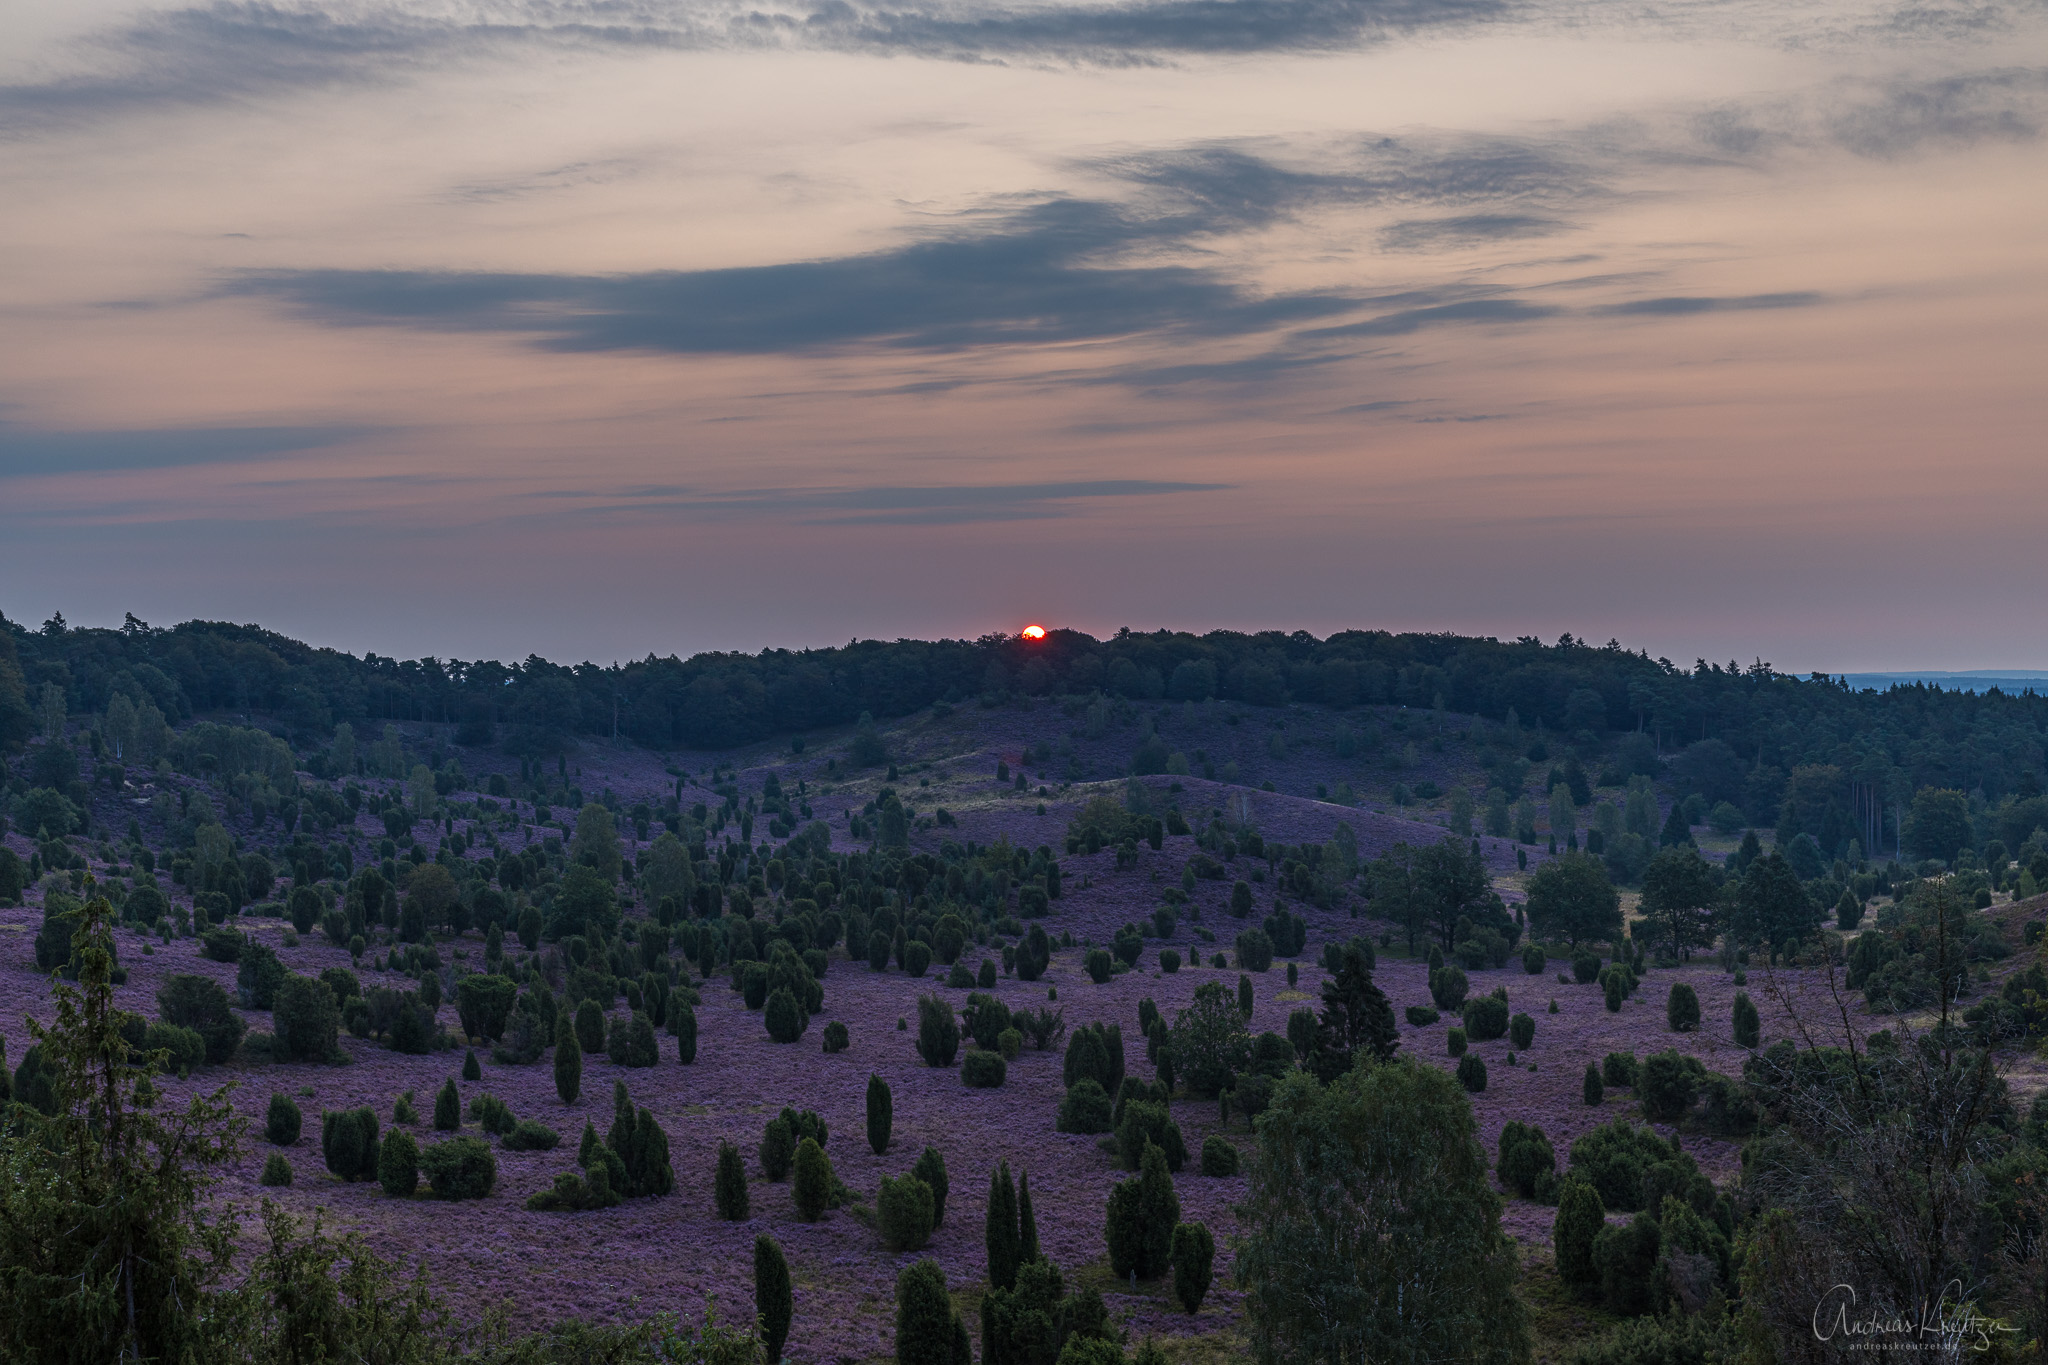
(1034, 632)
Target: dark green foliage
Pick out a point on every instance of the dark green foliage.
(729, 1185)
(276, 1171)
(984, 1070)
(1585, 967)
(530, 1136)
(1580, 1218)
(348, 1143)
(1594, 1090)
(1422, 1016)
(1147, 1123)
(1084, 1109)
(1632, 1167)
(1169, 960)
(778, 1148)
(1455, 1040)
(574, 1193)
(924, 1316)
(1095, 1051)
(590, 1030)
(1619, 1068)
(1355, 1016)
(1447, 987)
(917, 957)
(568, 1061)
(812, 1188)
(1625, 1259)
(259, 976)
(1669, 1339)
(1668, 1083)
(447, 1107)
(398, 1165)
(1027, 1221)
(492, 1115)
(411, 1027)
(1486, 1018)
(198, 1003)
(1098, 965)
(784, 1017)
(1527, 1161)
(1682, 1008)
(1521, 1032)
(641, 1146)
(938, 1031)
(1572, 897)
(1614, 988)
(682, 1021)
(1472, 1072)
(402, 1111)
(281, 1124)
(1245, 1000)
(1219, 1156)
(215, 945)
(835, 1037)
(1748, 1028)
(472, 1069)
(632, 1042)
(483, 1005)
(1141, 1217)
(1301, 1032)
(1193, 1253)
(1534, 960)
(931, 1169)
(903, 1212)
(183, 1049)
(985, 1018)
(1254, 950)
(774, 1303)
(999, 1230)
(881, 1113)
(306, 1020)
(460, 1168)
(1373, 1181)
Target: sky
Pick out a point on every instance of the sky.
(601, 328)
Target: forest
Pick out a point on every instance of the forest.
(1009, 1001)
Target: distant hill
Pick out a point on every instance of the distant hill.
(2007, 680)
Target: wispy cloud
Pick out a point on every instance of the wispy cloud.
(24, 451)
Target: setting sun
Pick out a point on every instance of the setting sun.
(1034, 632)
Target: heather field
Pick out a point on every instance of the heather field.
(675, 1251)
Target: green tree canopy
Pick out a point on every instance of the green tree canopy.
(1571, 898)
(1371, 1229)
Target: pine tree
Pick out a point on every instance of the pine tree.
(729, 1188)
(1142, 1213)
(398, 1165)
(568, 1061)
(1748, 1028)
(931, 1169)
(1595, 1089)
(683, 1020)
(924, 1316)
(447, 1108)
(1027, 1221)
(1355, 1015)
(881, 1113)
(1000, 1229)
(1580, 1217)
(472, 1070)
(1193, 1253)
(772, 1297)
(812, 1188)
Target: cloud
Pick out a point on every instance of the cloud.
(233, 50)
(1036, 275)
(896, 505)
(25, 452)
(1682, 306)
(1453, 234)
(1407, 320)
